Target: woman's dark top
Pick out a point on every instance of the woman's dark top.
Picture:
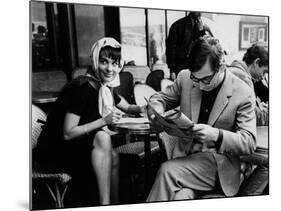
(78, 97)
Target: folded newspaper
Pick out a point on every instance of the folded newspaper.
(173, 122)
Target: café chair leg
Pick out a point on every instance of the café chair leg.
(56, 195)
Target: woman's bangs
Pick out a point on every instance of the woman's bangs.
(112, 53)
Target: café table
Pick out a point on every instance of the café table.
(44, 99)
(143, 130)
(258, 180)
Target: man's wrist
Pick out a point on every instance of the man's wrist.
(219, 139)
(216, 136)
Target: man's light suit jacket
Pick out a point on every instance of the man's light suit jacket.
(233, 112)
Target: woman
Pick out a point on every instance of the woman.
(75, 138)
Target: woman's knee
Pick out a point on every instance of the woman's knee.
(102, 141)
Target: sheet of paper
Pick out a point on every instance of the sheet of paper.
(130, 120)
(161, 124)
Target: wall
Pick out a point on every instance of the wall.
(226, 28)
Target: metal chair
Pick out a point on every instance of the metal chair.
(78, 72)
(56, 183)
(163, 67)
(139, 73)
(126, 86)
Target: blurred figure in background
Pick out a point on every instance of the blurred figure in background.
(181, 36)
(252, 71)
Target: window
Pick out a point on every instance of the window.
(133, 36)
(89, 20)
(42, 56)
(157, 36)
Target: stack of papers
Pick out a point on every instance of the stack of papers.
(130, 120)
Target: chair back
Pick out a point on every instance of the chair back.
(78, 71)
(154, 79)
(168, 143)
(126, 88)
(139, 73)
(163, 67)
(165, 83)
(38, 119)
(142, 91)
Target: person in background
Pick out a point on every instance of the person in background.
(222, 108)
(252, 70)
(261, 88)
(75, 138)
(181, 36)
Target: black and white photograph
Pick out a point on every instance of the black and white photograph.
(138, 105)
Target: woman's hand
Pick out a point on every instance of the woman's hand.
(143, 111)
(112, 118)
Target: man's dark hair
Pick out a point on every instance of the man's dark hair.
(194, 15)
(205, 48)
(254, 52)
(110, 52)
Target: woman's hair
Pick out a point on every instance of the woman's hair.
(110, 52)
(254, 52)
(205, 48)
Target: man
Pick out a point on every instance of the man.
(252, 70)
(222, 108)
(181, 35)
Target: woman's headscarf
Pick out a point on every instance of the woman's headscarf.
(105, 97)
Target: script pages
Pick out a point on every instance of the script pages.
(173, 122)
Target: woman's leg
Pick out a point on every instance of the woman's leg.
(101, 162)
(115, 178)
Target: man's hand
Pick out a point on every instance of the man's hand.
(150, 114)
(205, 133)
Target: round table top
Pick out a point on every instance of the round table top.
(44, 97)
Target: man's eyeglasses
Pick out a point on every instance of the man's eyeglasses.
(205, 80)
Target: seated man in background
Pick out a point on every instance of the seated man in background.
(261, 88)
(252, 70)
(222, 108)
